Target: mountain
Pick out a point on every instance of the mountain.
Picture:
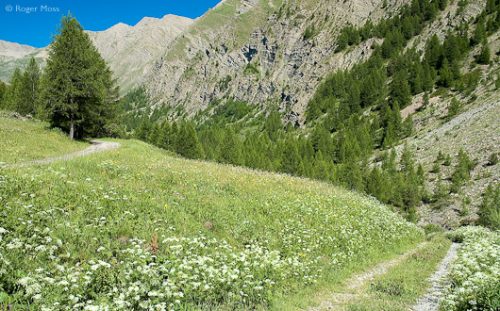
(132, 50)
(261, 47)
(129, 50)
(14, 55)
(268, 53)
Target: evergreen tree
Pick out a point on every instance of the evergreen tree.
(290, 160)
(453, 108)
(462, 171)
(375, 184)
(484, 58)
(408, 126)
(29, 89)
(189, 145)
(79, 91)
(13, 93)
(434, 52)
(400, 90)
(479, 34)
(273, 124)
(441, 192)
(428, 78)
(3, 89)
(489, 210)
(232, 151)
(445, 74)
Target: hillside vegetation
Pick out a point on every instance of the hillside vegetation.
(23, 140)
(138, 228)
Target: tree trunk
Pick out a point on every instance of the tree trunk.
(72, 130)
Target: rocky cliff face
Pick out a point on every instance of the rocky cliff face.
(129, 50)
(276, 62)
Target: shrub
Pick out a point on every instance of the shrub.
(493, 159)
(474, 273)
(489, 210)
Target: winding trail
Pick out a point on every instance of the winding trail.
(430, 301)
(97, 146)
(336, 300)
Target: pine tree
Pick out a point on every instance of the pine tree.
(428, 78)
(79, 91)
(290, 160)
(489, 210)
(479, 34)
(434, 52)
(232, 149)
(13, 93)
(408, 126)
(189, 144)
(3, 89)
(484, 58)
(462, 171)
(453, 108)
(400, 90)
(29, 90)
(445, 74)
(375, 184)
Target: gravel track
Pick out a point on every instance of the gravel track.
(430, 301)
(97, 146)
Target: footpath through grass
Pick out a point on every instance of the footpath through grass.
(26, 140)
(138, 228)
(402, 285)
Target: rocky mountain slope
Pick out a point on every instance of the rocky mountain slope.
(14, 55)
(262, 51)
(129, 50)
(267, 52)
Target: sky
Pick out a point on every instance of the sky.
(35, 22)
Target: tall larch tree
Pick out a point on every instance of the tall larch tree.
(29, 89)
(13, 92)
(79, 91)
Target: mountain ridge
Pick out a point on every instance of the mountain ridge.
(129, 50)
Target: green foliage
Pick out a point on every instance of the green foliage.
(13, 92)
(447, 160)
(469, 82)
(436, 168)
(462, 171)
(188, 144)
(474, 273)
(29, 90)
(251, 69)
(78, 89)
(310, 32)
(3, 90)
(441, 193)
(137, 216)
(454, 108)
(493, 159)
(23, 141)
(484, 57)
(489, 210)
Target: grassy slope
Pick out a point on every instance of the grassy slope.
(25, 140)
(144, 192)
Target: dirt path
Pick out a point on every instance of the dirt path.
(336, 300)
(430, 301)
(97, 146)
